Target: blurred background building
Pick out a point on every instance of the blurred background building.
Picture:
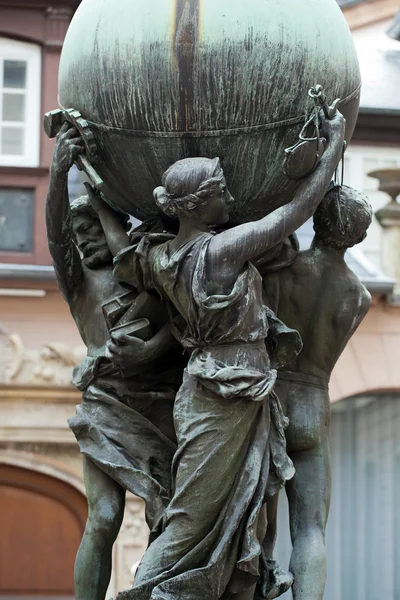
(42, 498)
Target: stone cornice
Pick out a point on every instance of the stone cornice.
(28, 393)
(37, 414)
(57, 22)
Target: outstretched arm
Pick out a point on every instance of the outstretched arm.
(66, 259)
(116, 236)
(234, 247)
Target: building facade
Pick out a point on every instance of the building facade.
(42, 496)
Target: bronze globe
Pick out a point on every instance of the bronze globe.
(161, 80)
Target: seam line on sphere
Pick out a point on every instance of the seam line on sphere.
(210, 133)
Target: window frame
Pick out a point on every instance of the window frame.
(19, 191)
(31, 53)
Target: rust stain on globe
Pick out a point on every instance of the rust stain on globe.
(161, 81)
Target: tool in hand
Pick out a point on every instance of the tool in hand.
(302, 158)
(53, 122)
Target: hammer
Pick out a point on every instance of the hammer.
(53, 122)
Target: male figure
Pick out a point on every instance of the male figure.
(125, 443)
(325, 301)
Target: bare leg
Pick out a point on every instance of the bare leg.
(106, 501)
(274, 581)
(272, 514)
(309, 495)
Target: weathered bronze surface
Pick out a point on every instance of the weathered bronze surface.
(325, 302)
(162, 81)
(197, 318)
(124, 424)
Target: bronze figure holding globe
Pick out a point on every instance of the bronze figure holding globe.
(195, 356)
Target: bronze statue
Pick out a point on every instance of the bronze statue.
(124, 424)
(193, 321)
(322, 298)
(231, 452)
(208, 458)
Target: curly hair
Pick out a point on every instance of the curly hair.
(188, 184)
(342, 218)
(82, 206)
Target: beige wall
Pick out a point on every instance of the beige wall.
(371, 360)
(39, 321)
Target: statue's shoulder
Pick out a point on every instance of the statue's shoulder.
(364, 296)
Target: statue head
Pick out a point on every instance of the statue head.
(195, 188)
(89, 235)
(343, 217)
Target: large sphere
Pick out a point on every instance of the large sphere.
(162, 80)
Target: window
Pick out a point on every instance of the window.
(16, 220)
(20, 68)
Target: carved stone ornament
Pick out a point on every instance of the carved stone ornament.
(50, 365)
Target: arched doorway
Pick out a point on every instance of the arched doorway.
(42, 521)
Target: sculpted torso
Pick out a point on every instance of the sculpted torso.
(98, 287)
(325, 301)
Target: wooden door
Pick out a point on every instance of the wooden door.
(42, 521)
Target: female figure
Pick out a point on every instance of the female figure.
(229, 424)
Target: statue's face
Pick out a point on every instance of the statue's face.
(91, 240)
(216, 211)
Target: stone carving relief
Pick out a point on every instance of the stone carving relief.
(50, 365)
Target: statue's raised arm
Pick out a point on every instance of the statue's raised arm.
(230, 250)
(65, 255)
